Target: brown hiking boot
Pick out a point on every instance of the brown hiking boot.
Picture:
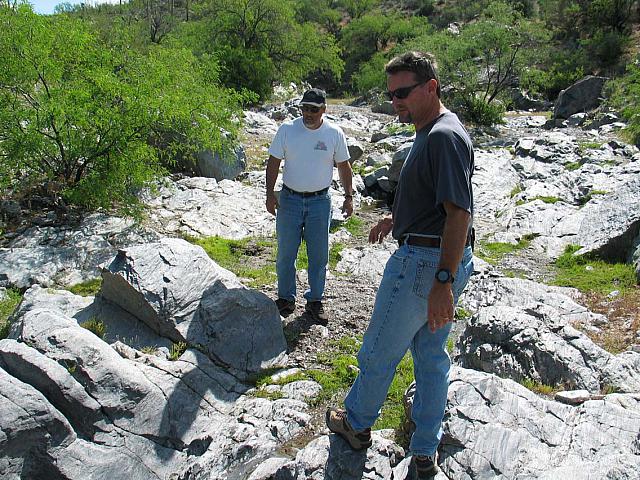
(317, 313)
(426, 465)
(337, 422)
(285, 307)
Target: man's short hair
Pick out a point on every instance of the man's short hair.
(421, 64)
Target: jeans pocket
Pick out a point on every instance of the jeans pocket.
(425, 274)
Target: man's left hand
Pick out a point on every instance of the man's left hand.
(440, 306)
(347, 206)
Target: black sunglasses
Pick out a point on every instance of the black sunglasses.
(309, 108)
(401, 93)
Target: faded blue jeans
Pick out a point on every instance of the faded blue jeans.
(301, 217)
(398, 323)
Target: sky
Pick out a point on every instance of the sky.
(47, 6)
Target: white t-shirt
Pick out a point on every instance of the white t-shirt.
(309, 155)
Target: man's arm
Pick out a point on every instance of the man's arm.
(452, 245)
(273, 167)
(346, 175)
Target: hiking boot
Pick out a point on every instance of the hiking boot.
(337, 422)
(426, 465)
(285, 307)
(316, 311)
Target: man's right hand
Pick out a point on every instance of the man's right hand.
(381, 230)
(272, 203)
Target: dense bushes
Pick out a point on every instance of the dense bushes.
(91, 121)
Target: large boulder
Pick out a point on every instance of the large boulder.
(610, 228)
(582, 96)
(221, 167)
(534, 342)
(176, 289)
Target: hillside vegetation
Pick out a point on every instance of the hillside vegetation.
(96, 102)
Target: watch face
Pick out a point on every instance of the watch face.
(443, 275)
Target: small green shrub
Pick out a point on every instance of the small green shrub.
(176, 351)
(88, 288)
(95, 326)
(149, 349)
(602, 276)
(482, 113)
(539, 388)
(7, 307)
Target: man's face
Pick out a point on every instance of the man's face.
(404, 84)
(312, 115)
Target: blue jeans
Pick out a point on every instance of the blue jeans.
(399, 322)
(301, 217)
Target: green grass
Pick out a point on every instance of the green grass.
(591, 194)
(334, 254)
(515, 190)
(396, 129)
(7, 307)
(584, 146)
(492, 252)
(95, 326)
(88, 288)
(571, 166)
(176, 351)
(546, 199)
(540, 388)
(603, 277)
(149, 349)
(251, 258)
(354, 225)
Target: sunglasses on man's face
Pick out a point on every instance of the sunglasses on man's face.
(309, 109)
(401, 93)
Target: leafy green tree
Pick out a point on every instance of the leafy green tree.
(357, 8)
(259, 43)
(94, 122)
(373, 33)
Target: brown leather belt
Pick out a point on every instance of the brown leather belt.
(430, 242)
(305, 194)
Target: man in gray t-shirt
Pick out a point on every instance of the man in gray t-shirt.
(414, 308)
(438, 169)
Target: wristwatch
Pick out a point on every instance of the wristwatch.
(444, 276)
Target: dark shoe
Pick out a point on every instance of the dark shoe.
(337, 422)
(316, 311)
(426, 465)
(285, 307)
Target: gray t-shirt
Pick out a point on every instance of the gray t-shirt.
(437, 169)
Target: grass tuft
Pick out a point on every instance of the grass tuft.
(176, 351)
(589, 274)
(95, 326)
(7, 307)
(88, 288)
(540, 388)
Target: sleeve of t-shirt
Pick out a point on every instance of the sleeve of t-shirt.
(451, 169)
(341, 153)
(277, 145)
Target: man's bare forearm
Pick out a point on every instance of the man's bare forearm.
(346, 175)
(454, 236)
(273, 167)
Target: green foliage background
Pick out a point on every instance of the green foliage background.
(96, 102)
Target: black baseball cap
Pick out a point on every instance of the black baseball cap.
(315, 97)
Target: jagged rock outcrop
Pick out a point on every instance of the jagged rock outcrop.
(180, 293)
(76, 407)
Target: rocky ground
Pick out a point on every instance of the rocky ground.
(213, 427)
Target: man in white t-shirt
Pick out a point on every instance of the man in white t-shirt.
(310, 146)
